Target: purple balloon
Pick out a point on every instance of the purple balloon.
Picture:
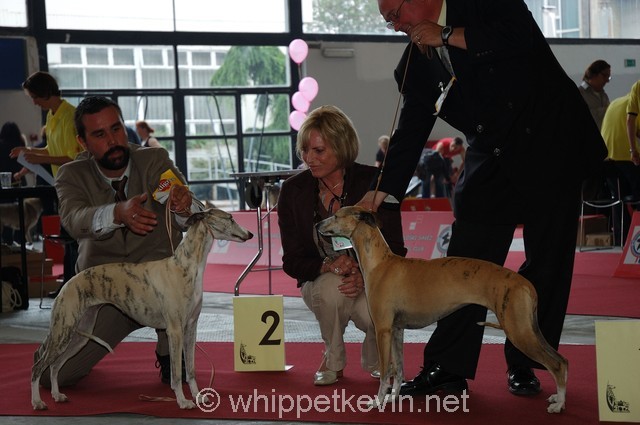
(309, 88)
(298, 50)
(299, 102)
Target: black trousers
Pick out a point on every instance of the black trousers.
(549, 232)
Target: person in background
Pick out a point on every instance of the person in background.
(61, 147)
(145, 132)
(10, 138)
(132, 135)
(596, 76)
(449, 148)
(330, 281)
(432, 169)
(107, 204)
(466, 63)
(383, 145)
(621, 130)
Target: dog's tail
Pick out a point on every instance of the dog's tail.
(96, 339)
(490, 324)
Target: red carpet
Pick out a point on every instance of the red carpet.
(115, 384)
(594, 292)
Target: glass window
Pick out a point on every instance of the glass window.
(123, 56)
(158, 15)
(121, 15)
(211, 159)
(237, 66)
(267, 153)
(265, 112)
(13, 13)
(71, 55)
(111, 67)
(152, 57)
(210, 115)
(109, 78)
(97, 56)
(223, 195)
(231, 16)
(587, 18)
(343, 17)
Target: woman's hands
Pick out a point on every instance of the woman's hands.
(347, 267)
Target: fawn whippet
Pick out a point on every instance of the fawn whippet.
(163, 294)
(410, 293)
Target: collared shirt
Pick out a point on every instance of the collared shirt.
(598, 102)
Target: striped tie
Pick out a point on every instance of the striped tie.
(118, 186)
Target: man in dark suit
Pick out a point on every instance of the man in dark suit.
(484, 67)
(107, 203)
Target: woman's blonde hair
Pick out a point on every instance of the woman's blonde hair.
(336, 129)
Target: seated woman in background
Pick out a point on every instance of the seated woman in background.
(145, 132)
(330, 282)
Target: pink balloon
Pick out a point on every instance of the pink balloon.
(309, 88)
(296, 118)
(298, 50)
(299, 102)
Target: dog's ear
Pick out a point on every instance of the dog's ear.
(197, 216)
(370, 218)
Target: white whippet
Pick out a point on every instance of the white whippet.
(163, 294)
(411, 293)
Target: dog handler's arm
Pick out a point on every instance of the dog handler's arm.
(370, 202)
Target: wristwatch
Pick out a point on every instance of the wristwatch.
(445, 34)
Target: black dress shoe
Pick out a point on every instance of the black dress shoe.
(522, 381)
(433, 379)
(164, 364)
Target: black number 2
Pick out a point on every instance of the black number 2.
(276, 321)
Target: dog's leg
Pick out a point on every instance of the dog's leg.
(520, 324)
(174, 334)
(37, 370)
(397, 363)
(384, 339)
(189, 353)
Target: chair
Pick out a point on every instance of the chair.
(52, 247)
(607, 198)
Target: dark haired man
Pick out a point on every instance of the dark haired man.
(107, 203)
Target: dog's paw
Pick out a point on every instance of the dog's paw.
(39, 405)
(186, 404)
(557, 405)
(59, 398)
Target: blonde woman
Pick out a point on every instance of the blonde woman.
(330, 281)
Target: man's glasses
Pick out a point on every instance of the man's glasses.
(606, 76)
(392, 17)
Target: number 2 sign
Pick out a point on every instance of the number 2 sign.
(258, 333)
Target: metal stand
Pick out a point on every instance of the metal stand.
(256, 185)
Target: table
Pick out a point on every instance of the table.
(257, 184)
(19, 194)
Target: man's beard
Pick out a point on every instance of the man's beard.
(117, 164)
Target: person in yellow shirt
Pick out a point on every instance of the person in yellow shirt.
(62, 145)
(620, 131)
